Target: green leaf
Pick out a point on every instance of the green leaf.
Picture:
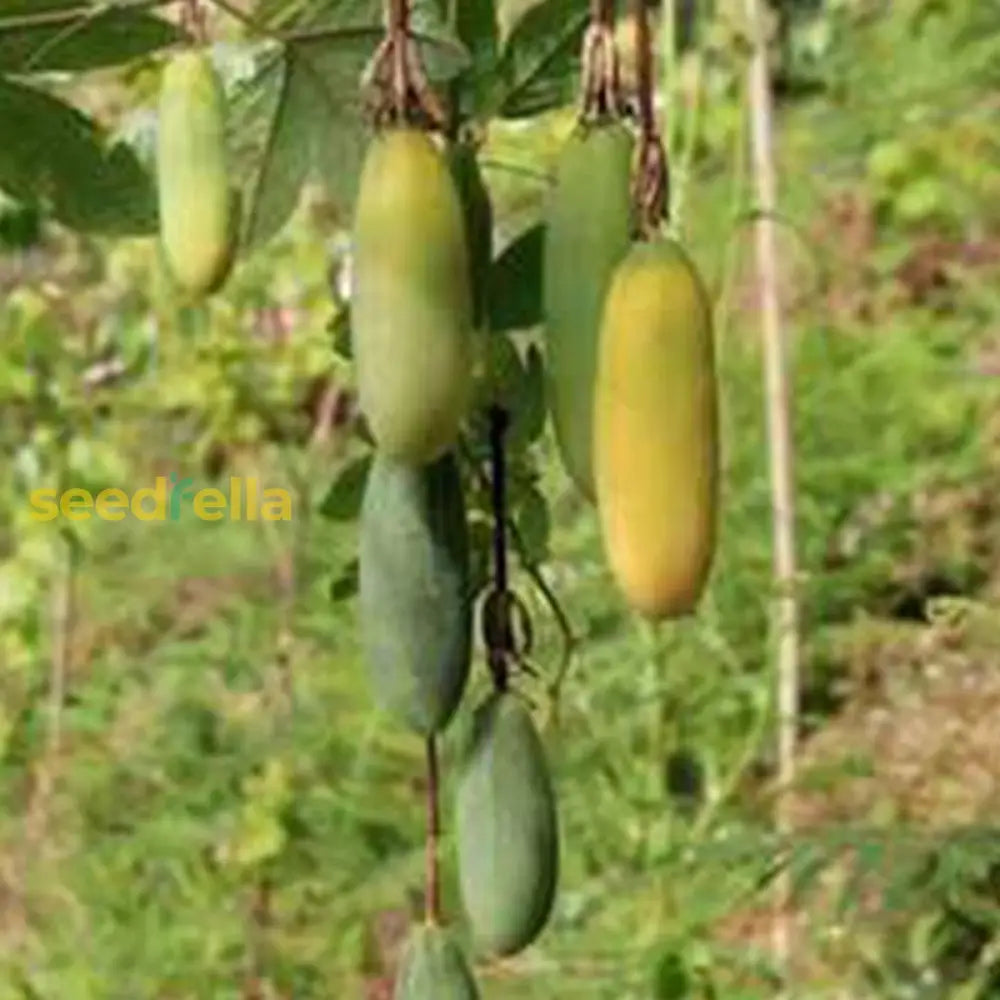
(540, 63)
(441, 51)
(528, 409)
(345, 585)
(534, 524)
(60, 159)
(343, 500)
(515, 295)
(301, 115)
(285, 163)
(476, 27)
(339, 125)
(109, 36)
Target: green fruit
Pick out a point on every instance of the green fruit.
(656, 430)
(478, 212)
(411, 308)
(588, 233)
(196, 205)
(507, 828)
(434, 968)
(413, 590)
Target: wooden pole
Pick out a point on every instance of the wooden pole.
(777, 398)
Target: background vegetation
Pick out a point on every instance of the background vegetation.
(199, 800)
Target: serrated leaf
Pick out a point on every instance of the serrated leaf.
(515, 294)
(60, 160)
(540, 64)
(109, 36)
(343, 500)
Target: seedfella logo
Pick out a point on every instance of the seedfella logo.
(164, 501)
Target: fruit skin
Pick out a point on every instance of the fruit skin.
(434, 968)
(588, 233)
(656, 430)
(197, 209)
(411, 308)
(413, 590)
(506, 828)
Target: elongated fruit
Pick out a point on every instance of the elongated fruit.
(411, 309)
(434, 968)
(656, 430)
(197, 209)
(413, 597)
(507, 828)
(587, 235)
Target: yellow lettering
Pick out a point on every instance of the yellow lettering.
(75, 505)
(156, 493)
(111, 505)
(209, 505)
(277, 505)
(43, 505)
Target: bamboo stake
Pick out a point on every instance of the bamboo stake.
(777, 395)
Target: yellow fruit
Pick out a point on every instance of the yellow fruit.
(411, 308)
(196, 206)
(656, 430)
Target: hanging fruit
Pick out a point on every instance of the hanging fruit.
(507, 828)
(414, 600)
(199, 213)
(412, 305)
(587, 234)
(656, 430)
(433, 967)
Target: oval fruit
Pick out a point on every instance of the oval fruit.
(196, 205)
(656, 430)
(587, 234)
(411, 309)
(413, 590)
(507, 828)
(434, 968)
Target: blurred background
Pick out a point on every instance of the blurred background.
(198, 797)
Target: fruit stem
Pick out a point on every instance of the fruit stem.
(432, 889)
(193, 21)
(402, 90)
(651, 181)
(499, 420)
(600, 85)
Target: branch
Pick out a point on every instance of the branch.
(67, 15)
